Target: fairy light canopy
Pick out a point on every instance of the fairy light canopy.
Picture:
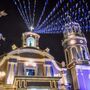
(56, 17)
(71, 27)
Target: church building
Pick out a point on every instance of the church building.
(30, 68)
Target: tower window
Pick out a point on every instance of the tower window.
(75, 53)
(85, 53)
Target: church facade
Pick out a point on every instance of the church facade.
(30, 68)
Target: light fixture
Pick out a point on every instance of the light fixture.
(31, 63)
(2, 74)
(14, 47)
(72, 42)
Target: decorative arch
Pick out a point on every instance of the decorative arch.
(84, 53)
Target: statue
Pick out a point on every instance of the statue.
(3, 13)
(1, 37)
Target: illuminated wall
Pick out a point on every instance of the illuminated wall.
(83, 73)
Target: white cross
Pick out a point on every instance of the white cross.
(31, 28)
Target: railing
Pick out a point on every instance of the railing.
(27, 81)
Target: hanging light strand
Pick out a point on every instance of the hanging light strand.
(34, 11)
(42, 13)
(55, 20)
(19, 7)
(26, 12)
(29, 11)
(51, 13)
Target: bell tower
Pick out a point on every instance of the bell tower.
(30, 39)
(76, 53)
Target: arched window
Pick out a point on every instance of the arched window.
(75, 53)
(85, 53)
(30, 41)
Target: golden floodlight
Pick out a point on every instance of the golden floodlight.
(72, 42)
(14, 47)
(2, 75)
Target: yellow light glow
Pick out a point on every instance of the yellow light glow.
(71, 36)
(14, 47)
(30, 63)
(2, 74)
(34, 64)
(10, 79)
(72, 42)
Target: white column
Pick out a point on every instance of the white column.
(48, 70)
(11, 72)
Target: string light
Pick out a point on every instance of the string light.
(29, 11)
(51, 13)
(42, 13)
(19, 7)
(34, 11)
(26, 13)
(56, 19)
(22, 10)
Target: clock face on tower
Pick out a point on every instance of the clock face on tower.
(30, 41)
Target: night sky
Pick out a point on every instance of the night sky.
(12, 26)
